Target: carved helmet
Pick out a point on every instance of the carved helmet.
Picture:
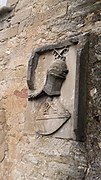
(56, 74)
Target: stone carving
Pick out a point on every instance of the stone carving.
(56, 81)
(33, 62)
(56, 74)
(51, 110)
(52, 114)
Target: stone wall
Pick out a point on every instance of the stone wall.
(29, 25)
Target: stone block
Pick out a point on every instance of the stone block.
(21, 16)
(4, 25)
(11, 2)
(8, 33)
(22, 4)
(43, 14)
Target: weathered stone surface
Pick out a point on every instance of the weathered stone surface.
(20, 16)
(2, 116)
(11, 2)
(28, 156)
(2, 152)
(8, 33)
(60, 114)
(2, 135)
(94, 119)
(4, 25)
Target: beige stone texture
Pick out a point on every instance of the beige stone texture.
(23, 154)
(21, 16)
(8, 33)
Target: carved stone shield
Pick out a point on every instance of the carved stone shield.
(51, 116)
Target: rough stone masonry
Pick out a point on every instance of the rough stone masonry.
(30, 24)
